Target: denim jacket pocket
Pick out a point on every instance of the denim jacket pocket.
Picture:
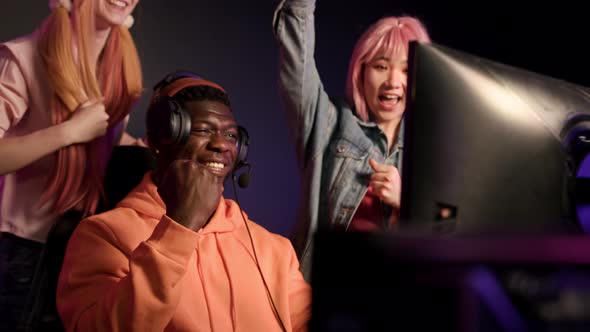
(346, 162)
(343, 148)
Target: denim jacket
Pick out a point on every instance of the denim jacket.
(333, 145)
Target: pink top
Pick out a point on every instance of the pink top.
(24, 108)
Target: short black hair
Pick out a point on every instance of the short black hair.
(200, 93)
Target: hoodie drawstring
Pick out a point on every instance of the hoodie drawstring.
(231, 284)
(203, 285)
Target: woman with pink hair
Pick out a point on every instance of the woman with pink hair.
(349, 152)
(66, 91)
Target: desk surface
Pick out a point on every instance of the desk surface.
(377, 281)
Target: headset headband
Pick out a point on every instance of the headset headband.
(175, 86)
(171, 89)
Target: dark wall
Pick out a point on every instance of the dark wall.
(231, 42)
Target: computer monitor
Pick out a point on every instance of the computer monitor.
(489, 147)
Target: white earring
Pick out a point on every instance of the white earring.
(128, 23)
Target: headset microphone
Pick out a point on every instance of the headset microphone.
(244, 178)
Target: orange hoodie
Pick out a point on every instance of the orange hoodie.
(135, 269)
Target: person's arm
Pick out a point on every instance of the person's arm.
(20, 151)
(102, 289)
(17, 152)
(311, 114)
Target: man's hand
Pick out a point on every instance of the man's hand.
(386, 183)
(191, 193)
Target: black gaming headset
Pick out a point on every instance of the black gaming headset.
(167, 123)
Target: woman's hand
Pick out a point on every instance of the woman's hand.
(386, 183)
(88, 122)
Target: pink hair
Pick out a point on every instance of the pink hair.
(76, 180)
(390, 35)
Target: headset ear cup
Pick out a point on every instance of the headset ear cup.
(184, 125)
(167, 123)
(243, 143)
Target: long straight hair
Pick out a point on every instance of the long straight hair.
(390, 35)
(76, 178)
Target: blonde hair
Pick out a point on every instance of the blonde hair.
(390, 35)
(76, 179)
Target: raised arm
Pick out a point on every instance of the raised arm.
(101, 288)
(310, 113)
(19, 151)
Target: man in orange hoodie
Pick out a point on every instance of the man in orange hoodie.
(175, 255)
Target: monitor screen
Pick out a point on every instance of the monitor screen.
(486, 146)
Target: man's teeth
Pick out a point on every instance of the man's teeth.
(215, 165)
(118, 3)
